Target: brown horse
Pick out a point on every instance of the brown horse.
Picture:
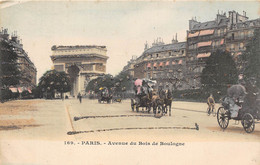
(157, 104)
(166, 96)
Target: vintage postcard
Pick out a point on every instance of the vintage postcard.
(129, 82)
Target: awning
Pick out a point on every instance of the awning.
(203, 55)
(149, 65)
(201, 44)
(20, 90)
(193, 34)
(173, 63)
(155, 64)
(222, 42)
(161, 64)
(180, 62)
(167, 63)
(14, 90)
(206, 32)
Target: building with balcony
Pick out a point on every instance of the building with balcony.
(164, 63)
(230, 33)
(26, 66)
(82, 63)
(203, 38)
(237, 38)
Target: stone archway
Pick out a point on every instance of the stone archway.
(73, 72)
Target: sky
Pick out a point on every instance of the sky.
(123, 27)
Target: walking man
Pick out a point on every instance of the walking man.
(79, 97)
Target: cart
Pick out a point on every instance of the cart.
(248, 115)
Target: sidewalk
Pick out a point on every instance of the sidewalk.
(34, 119)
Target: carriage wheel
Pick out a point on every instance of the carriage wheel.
(248, 122)
(223, 117)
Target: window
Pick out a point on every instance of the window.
(157, 55)
(170, 53)
(154, 75)
(233, 36)
(241, 45)
(218, 32)
(216, 43)
(242, 35)
(232, 47)
(182, 52)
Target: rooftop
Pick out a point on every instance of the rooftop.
(167, 47)
(249, 23)
(210, 24)
(54, 47)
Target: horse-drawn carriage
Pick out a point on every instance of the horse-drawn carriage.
(248, 113)
(143, 97)
(147, 97)
(105, 95)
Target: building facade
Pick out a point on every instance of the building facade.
(129, 68)
(82, 63)
(183, 62)
(26, 66)
(230, 33)
(237, 38)
(203, 39)
(164, 63)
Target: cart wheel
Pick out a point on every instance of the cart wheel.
(248, 122)
(223, 118)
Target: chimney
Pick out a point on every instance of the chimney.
(192, 22)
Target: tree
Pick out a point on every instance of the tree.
(119, 83)
(53, 81)
(9, 72)
(252, 57)
(219, 73)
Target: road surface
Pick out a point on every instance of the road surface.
(55, 120)
(41, 132)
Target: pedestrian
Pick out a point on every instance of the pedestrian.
(79, 97)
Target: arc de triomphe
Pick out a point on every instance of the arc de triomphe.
(82, 63)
